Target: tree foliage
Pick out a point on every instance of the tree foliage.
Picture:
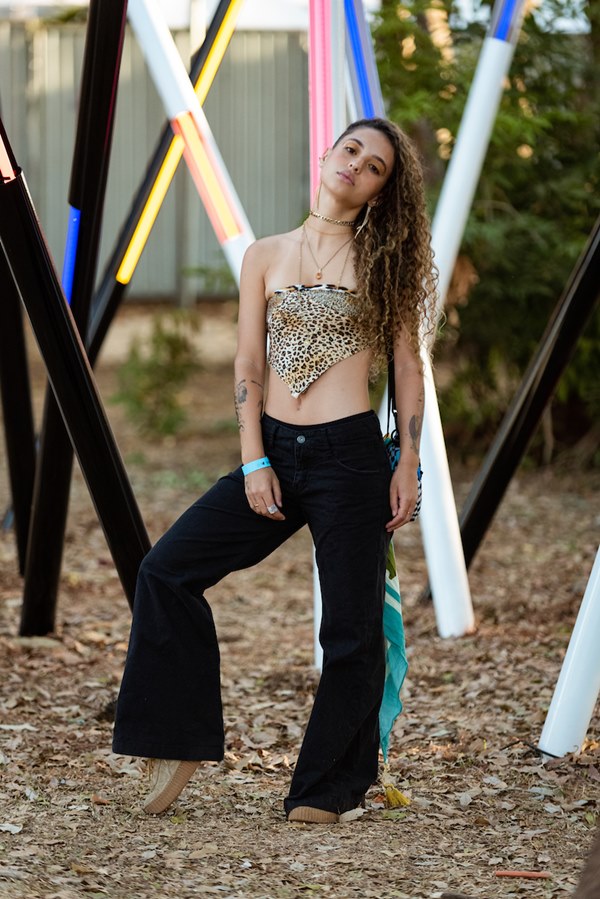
(538, 194)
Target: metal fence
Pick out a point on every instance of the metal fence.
(257, 108)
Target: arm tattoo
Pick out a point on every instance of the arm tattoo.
(416, 423)
(260, 402)
(413, 430)
(239, 398)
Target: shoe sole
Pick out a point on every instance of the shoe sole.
(308, 815)
(173, 788)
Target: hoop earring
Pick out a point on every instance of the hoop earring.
(364, 221)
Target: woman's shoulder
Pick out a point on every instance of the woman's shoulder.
(266, 252)
(274, 243)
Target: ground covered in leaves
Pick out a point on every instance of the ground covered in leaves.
(480, 798)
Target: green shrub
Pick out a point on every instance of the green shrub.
(152, 378)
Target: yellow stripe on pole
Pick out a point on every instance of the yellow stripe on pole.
(217, 51)
(151, 209)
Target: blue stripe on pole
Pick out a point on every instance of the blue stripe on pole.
(70, 252)
(360, 67)
(505, 21)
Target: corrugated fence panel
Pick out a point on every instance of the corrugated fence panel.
(257, 109)
(13, 84)
(52, 129)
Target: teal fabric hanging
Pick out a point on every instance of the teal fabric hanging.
(395, 653)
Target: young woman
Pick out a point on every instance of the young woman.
(335, 297)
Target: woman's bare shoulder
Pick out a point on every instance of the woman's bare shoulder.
(275, 243)
(267, 255)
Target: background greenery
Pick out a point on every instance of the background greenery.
(536, 202)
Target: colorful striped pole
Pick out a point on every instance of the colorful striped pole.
(364, 77)
(320, 89)
(327, 112)
(153, 188)
(217, 41)
(189, 123)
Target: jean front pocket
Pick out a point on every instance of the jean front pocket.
(364, 456)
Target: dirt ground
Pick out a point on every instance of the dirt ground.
(481, 801)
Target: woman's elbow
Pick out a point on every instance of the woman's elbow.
(244, 364)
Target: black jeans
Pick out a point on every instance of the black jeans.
(334, 477)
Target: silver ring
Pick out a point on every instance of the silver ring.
(272, 509)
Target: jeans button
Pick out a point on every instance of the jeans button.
(301, 438)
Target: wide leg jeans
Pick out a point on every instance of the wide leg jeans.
(335, 478)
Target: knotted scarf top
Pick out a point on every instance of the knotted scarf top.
(310, 329)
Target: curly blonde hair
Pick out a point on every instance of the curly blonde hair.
(394, 266)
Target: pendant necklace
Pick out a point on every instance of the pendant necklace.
(319, 274)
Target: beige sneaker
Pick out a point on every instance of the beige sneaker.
(168, 778)
(309, 815)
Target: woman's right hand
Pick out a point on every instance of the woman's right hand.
(264, 493)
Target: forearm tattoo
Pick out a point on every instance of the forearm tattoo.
(416, 423)
(240, 396)
(260, 401)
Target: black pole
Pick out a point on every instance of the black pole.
(111, 292)
(554, 352)
(102, 58)
(72, 380)
(15, 392)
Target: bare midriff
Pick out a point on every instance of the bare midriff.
(339, 392)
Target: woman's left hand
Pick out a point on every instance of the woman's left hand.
(403, 495)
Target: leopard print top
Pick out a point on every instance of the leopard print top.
(310, 329)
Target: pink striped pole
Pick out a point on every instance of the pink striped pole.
(321, 110)
(320, 91)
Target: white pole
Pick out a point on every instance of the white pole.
(464, 169)
(338, 67)
(350, 96)
(439, 525)
(578, 685)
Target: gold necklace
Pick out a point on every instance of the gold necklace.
(311, 227)
(344, 266)
(325, 218)
(319, 274)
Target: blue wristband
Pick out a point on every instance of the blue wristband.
(254, 466)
